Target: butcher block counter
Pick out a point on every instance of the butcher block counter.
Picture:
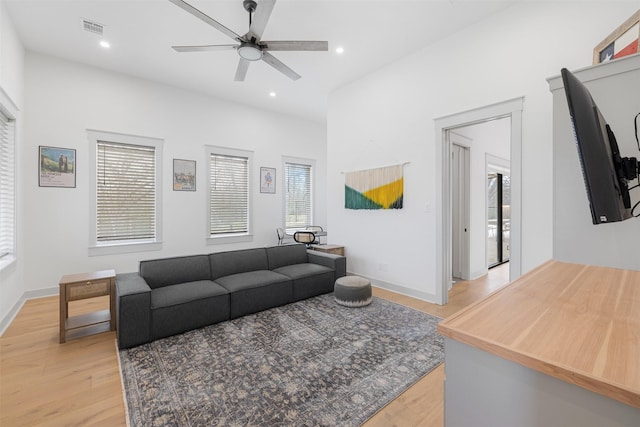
(545, 339)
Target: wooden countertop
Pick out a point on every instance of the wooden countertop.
(575, 322)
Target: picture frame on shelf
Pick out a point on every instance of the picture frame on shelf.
(57, 167)
(623, 41)
(184, 175)
(267, 180)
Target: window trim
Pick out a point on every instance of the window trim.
(299, 161)
(235, 237)
(10, 110)
(112, 248)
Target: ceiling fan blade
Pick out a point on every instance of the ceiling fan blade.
(204, 48)
(206, 18)
(296, 45)
(260, 18)
(241, 71)
(278, 65)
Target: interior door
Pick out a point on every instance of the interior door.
(460, 211)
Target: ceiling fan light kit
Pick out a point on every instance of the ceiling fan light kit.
(250, 51)
(251, 47)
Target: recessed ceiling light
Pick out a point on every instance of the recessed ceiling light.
(339, 50)
(105, 44)
(272, 94)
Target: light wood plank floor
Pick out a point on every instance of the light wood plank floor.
(44, 383)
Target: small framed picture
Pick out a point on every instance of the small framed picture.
(184, 175)
(267, 180)
(621, 42)
(57, 167)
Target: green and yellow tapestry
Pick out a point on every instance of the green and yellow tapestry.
(380, 188)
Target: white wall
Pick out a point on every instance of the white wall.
(11, 84)
(64, 99)
(387, 117)
(11, 57)
(615, 87)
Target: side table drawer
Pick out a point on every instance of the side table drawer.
(89, 289)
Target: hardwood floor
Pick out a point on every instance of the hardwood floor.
(422, 404)
(44, 383)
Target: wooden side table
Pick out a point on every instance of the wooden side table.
(330, 249)
(74, 287)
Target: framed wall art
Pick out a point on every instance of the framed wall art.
(184, 175)
(267, 180)
(57, 167)
(623, 41)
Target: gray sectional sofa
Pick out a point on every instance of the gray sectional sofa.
(173, 295)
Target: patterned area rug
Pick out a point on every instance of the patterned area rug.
(311, 363)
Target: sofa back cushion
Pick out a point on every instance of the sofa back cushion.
(234, 262)
(279, 256)
(171, 271)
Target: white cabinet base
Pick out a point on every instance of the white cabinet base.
(482, 389)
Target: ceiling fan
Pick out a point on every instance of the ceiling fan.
(251, 47)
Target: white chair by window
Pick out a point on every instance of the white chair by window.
(284, 237)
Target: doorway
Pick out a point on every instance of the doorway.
(511, 110)
(498, 217)
(476, 150)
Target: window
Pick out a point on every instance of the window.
(7, 187)
(229, 190)
(127, 191)
(298, 194)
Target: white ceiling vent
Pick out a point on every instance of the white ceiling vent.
(92, 27)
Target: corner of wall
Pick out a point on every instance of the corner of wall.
(7, 319)
(11, 95)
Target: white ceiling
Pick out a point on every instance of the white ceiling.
(141, 32)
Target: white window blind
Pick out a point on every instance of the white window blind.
(298, 195)
(228, 194)
(126, 192)
(7, 186)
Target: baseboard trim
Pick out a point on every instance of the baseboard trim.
(39, 293)
(478, 274)
(424, 296)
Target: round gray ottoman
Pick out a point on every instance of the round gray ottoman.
(352, 291)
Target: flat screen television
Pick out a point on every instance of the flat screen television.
(606, 174)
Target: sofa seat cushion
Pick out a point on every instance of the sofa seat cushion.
(185, 292)
(255, 291)
(186, 306)
(309, 280)
(299, 271)
(250, 279)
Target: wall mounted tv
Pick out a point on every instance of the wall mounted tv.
(606, 173)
